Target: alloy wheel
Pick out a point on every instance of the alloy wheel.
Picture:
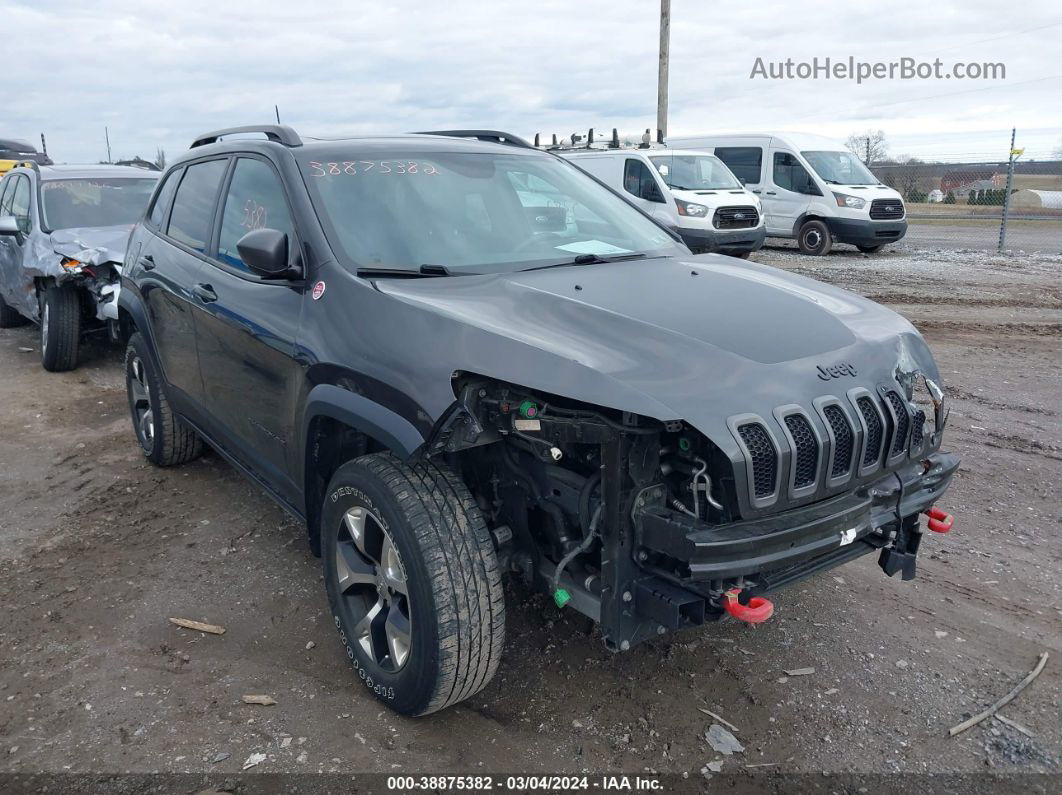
(372, 585)
(143, 416)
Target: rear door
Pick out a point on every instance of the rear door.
(170, 265)
(789, 191)
(246, 330)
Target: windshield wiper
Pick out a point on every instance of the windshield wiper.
(589, 259)
(426, 270)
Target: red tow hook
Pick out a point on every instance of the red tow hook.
(756, 611)
(939, 521)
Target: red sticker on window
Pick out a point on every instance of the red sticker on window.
(318, 290)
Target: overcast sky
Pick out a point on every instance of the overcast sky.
(158, 73)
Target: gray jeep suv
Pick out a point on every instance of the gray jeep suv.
(454, 356)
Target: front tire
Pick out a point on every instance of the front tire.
(815, 238)
(60, 328)
(413, 582)
(164, 439)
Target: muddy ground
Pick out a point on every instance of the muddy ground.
(98, 549)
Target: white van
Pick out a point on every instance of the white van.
(690, 191)
(813, 189)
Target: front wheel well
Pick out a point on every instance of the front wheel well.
(330, 443)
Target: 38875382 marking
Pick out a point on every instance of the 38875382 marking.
(353, 168)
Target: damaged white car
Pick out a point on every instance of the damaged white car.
(63, 234)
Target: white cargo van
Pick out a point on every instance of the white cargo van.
(690, 191)
(813, 189)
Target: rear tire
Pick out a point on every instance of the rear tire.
(815, 238)
(164, 439)
(870, 249)
(413, 582)
(9, 318)
(60, 327)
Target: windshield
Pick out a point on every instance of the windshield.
(72, 203)
(840, 168)
(695, 172)
(472, 212)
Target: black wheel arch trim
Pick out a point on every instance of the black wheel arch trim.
(132, 303)
(387, 427)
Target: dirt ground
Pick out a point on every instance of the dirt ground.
(98, 549)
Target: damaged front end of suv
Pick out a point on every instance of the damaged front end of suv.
(649, 525)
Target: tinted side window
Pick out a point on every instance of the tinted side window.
(193, 206)
(162, 198)
(638, 179)
(255, 201)
(745, 161)
(20, 203)
(789, 174)
(6, 192)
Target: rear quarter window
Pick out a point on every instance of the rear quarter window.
(162, 198)
(192, 216)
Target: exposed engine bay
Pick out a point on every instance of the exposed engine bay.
(638, 523)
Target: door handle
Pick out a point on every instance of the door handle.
(205, 293)
(147, 262)
(756, 190)
(771, 193)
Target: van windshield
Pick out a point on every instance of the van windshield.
(840, 168)
(695, 172)
(471, 212)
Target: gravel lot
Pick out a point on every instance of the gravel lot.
(98, 549)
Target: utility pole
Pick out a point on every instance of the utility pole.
(1006, 196)
(107, 137)
(661, 83)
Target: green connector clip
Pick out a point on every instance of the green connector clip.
(528, 409)
(561, 597)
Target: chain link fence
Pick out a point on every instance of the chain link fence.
(1009, 204)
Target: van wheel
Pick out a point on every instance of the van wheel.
(164, 439)
(60, 327)
(9, 318)
(815, 239)
(870, 249)
(413, 582)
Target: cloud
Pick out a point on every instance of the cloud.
(157, 74)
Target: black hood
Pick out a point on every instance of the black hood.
(698, 339)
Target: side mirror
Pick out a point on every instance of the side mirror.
(9, 225)
(265, 251)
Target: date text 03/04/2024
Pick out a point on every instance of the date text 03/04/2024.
(520, 783)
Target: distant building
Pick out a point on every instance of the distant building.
(935, 196)
(1037, 199)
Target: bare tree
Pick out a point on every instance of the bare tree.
(160, 158)
(869, 146)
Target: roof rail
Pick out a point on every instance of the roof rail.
(280, 133)
(493, 136)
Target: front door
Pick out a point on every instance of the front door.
(15, 201)
(789, 192)
(246, 330)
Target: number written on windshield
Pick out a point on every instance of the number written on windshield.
(353, 168)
